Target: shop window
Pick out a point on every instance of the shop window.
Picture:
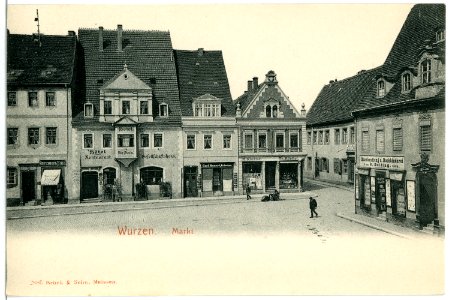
(107, 105)
(11, 177)
(365, 140)
(381, 88)
(279, 141)
(326, 137)
(107, 140)
(351, 135)
(426, 68)
(262, 141)
(88, 141)
(406, 82)
(380, 140)
(126, 107)
(50, 99)
(163, 110)
(337, 136)
(88, 110)
(398, 202)
(345, 136)
(151, 175)
(12, 99)
(309, 137)
(425, 136)
(294, 142)
(33, 136)
(144, 107)
(314, 137)
(252, 175)
(248, 141)
(51, 135)
(227, 141)
(13, 134)
(158, 140)
(191, 141)
(288, 176)
(207, 141)
(109, 175)
(397, 139)
(144, 140)
(125, 140)
(32, 99)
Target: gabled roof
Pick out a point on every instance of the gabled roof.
(148, 54)
(202, 72)
(246, 98)
(336, 100)
(125, 80)
(31, 64)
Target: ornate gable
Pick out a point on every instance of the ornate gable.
(125, 80)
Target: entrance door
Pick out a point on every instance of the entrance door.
(381, 202)
(190, 182)
(427, 198)
(217, 181)
(28, 186)
(89, 185)
(270, 175)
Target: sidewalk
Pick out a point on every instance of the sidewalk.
(99, 207)
(340, 185)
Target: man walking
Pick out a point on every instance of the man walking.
(248, 192)
(313, 205)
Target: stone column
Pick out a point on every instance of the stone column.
(262, 171)
(277, 176)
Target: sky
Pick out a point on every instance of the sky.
(307, 45)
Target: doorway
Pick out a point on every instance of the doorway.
(28, 186)
(427, 189)
(217, 180)
(190, 181)
(270, 175)
(89, 185)
(381, 195)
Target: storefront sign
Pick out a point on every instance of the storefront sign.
(382, 162)
(148, 156)
(126, 153)
(217, 165)
(292, 158)
(411, 195)
(125, 128)
(98, 154)
(52, 163)
(27, 167)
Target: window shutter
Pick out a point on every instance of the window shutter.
(397, 139)
(380, 141)
(365, 140)
(426, 137)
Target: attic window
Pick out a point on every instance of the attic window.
(163, 110)
(440, 35)
(381, 88)
(125, 76)
(88, 110)
(426, 67)
(406, 82)
(153, 80)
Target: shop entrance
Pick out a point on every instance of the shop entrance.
(190, 181)
(217, 180)
(28, 186)
(288, 175)
(270, 175)
(427, 189)
(381, 202)
(89, 185)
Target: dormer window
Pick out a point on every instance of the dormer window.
(406, 82)
(275, 111)
(426, 66)
(381, 88)
(88, 110)
(207, 106)
(163, 110)
(440, 35)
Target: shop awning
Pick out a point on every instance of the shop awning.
(50, 177)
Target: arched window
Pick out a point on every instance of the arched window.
(151, 175)
(406, 82)
(268, 111)
(275, 111)
(426, 76)
(380, 88)
(109, 175)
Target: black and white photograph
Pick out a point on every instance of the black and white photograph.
(224, 149)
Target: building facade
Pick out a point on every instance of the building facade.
(271, 138)
(42, 95)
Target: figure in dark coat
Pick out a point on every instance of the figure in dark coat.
(313, 205)
(248, 192)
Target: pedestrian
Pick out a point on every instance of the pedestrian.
(248, 192)
(313, 205)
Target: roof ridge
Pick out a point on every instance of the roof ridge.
(125, 30)
(355, 75)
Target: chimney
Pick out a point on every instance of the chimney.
(71, 33)
(255, 83)
(200, 51)
(100, 38)
(250, 85)
(119, 37)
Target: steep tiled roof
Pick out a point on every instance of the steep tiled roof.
(336, 100)
(202, 72)
(31, 64)
(148, 55)
(245, 99)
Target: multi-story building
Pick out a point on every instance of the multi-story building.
(271, 138)
(41, 77)
(331, 139)
(401, 127)
(130, 130)
(209, 131)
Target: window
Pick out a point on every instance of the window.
(314, 137)
(262, 141)
(326, 137)
(345, 166)
(275, 111)
(325, 164)
(279, 140)
(198, 110)
(157, 140)
(248, 141)
(13, 136)
(365, 140)
(227, 141)
(215, 110)
(380, 88)
(406, 82)
(88, 140)
(50, 136)
(294, 143)
(125, 140)
(345, 136)
(11, 179)
(208, 110)
(426, 76)
(107, 140)
(33, 136)
(351, 135)
(144, 107)
(380, 140)
(309, 163)
(12, 99)
(309, 137)
(207, 141)
(144, 140)
(425, 135)
(337, 166)
(397, 139)
(337, 136)
(320, 137)
(32, 99)
(151, 175)
(50, 99)
(440, 35)
(191, 141)
(268, 111)
(126, 107)
(107, 107)
(88, 110)
(163, 110)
